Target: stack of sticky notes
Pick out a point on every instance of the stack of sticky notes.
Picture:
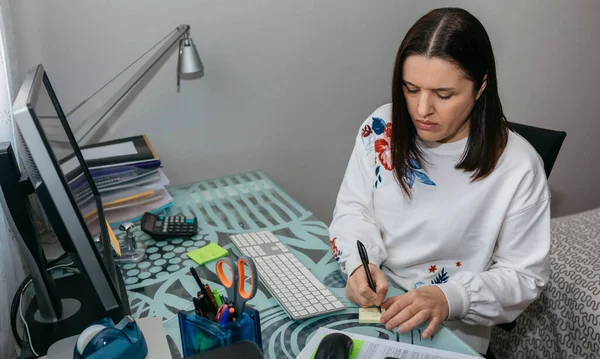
(369, 315)
(208, 253)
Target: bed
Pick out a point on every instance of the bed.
(565, 321)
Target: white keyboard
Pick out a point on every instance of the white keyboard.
(296, 289)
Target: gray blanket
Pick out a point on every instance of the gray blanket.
(565, 321)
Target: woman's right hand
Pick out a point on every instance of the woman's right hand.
(358, 290)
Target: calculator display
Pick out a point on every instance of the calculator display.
(149, 224)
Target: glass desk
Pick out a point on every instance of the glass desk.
(161, 284)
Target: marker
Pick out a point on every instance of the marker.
(211, 297)
(220, 313)
(217, 297)
(224, 317)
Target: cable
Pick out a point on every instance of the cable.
(13, 312)
(20, 294)
(57, 260)
(14, 304)
(23, 319)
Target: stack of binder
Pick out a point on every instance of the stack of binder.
(128, 175)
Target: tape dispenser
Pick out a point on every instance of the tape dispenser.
(105, 340)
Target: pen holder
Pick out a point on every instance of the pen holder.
(199, 334)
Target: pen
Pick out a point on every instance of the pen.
(200, 284)
(364, 257)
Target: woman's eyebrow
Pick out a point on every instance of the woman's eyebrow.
(436, 89)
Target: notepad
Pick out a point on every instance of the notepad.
(369, 315)
(208, 253)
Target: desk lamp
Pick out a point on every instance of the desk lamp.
(188, 63)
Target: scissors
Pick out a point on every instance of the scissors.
(235, 283)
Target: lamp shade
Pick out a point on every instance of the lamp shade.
(190, 60)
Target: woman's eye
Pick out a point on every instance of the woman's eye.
(444, 97)
(411, 91)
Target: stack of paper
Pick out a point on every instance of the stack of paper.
(374, 348)
(128, 176)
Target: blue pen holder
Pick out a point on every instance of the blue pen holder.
(199, 334)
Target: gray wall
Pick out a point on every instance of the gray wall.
(287, 83)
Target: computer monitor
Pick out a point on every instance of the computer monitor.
(65, 188)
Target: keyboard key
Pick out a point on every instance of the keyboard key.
(337, 304)
(331, 299)
(328, 306)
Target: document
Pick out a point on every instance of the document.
(366, 347)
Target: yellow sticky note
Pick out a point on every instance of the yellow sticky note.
(208, 253)
(369, 315)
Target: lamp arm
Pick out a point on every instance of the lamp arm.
(83, 133)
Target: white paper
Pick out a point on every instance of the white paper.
(376, 348)
(114, 150)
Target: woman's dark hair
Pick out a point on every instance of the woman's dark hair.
(456, 36)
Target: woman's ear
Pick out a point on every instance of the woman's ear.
(483, 84)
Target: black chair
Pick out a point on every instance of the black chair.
(547, 143)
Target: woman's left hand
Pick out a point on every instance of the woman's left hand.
(407, 311)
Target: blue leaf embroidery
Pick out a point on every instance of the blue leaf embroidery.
(423, 178)
(378, 125)
(377, 170)
(410, 176)
(414, 164)
(441, 277)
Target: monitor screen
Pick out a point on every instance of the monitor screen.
(65, 187)
(70, 166)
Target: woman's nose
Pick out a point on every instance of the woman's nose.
(424, 106)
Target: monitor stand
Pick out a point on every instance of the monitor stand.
(81, 308)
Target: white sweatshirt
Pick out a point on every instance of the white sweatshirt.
(485, 243)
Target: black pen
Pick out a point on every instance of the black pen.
(200, 284)
(364, 257)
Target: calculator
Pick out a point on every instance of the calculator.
(164, 227)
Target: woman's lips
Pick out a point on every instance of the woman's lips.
(426, 125)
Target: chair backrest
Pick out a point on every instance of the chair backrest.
(546, 142)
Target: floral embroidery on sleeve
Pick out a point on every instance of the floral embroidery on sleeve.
(334, 249)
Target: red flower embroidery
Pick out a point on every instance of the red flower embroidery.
(458, 264)
(383, 149)
(388, 130)
(366, 131)
(432, 269)
(384, 153)
(336, 253)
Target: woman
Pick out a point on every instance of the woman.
(449, 203)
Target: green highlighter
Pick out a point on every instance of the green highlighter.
(217, 297)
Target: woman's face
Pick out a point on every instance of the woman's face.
(439, 98)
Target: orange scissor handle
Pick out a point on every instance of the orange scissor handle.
(226, 281)
(242, 263)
